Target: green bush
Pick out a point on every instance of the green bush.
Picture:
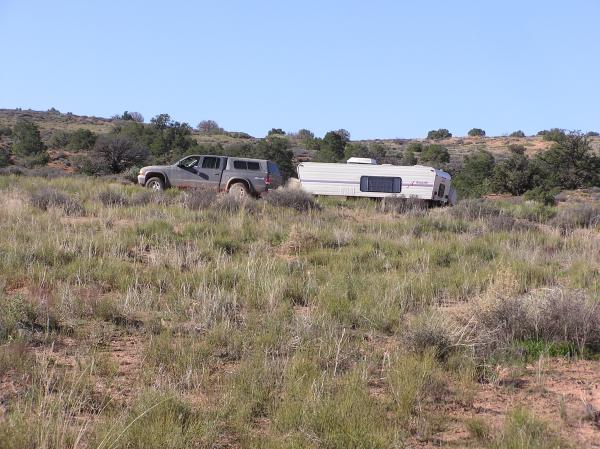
(276, 149)
(276, 132)
(542, 195)
(435, 154)
(131, 174)
(569, 164)
(90, 165)
(408, 157)
(59, 139)
(34, 160)
(81, 139)
(130, 116)
(438, 134)
(305, 134)
(518, 133)
(553, 135)
(27, 143)
(475, 176)
(166, 139)
(4, 157)
(377, 151)
(332, 148)
(415, 147)
(513, 175)
(6, 131)
(476, 132)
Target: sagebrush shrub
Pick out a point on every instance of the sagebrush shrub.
(400, 205)
(549, 315)
(472, 209)
(577, 215)
(113, 198)
(12, 170)
(199, 198)
(430, 331)
(47, 172)
(47, 197)
(293, 198)
(228, 203)
(500, 223)
(146, 197)
(568, 317)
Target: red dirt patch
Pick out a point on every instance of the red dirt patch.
(564, 393)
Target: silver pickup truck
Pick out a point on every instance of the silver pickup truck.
(236, 175)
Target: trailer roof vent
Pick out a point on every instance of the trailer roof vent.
(361, 160)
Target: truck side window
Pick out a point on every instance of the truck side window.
(211, 162)
(189, 162)
(442, 190)
(240, 165)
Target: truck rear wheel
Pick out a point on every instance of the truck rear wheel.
(239, 190)
(155, 184)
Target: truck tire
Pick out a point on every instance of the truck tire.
(239, 190)
(155, 184)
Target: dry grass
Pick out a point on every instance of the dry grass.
(164, 320)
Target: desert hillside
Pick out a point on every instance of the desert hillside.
(51, 122)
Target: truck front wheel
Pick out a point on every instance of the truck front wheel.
(239, 190)
(155, 184)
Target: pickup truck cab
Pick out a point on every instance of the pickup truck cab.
(236, 175)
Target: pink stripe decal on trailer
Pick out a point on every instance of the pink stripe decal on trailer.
(404, 184)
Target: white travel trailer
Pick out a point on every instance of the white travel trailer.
(363, 177)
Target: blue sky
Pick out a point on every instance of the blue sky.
(379, 69)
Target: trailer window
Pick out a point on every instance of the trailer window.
(385, 184)
(441, 190)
